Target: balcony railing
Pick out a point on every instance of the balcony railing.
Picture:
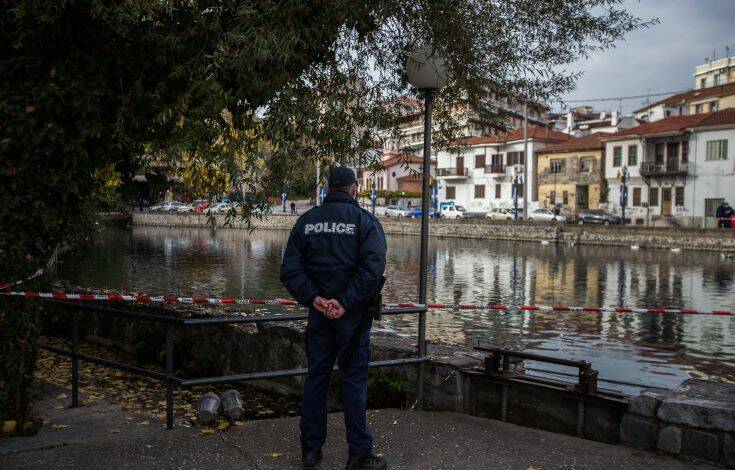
(664, 169)
(461, 172)
(495, 168)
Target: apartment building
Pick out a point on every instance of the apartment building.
(584, 120)
(481, 172)
(714, 89)
(679, 169)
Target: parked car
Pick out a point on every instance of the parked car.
(546, 215)
(172, 206)
(416, 213)
(219, 208)
(453, 212)
(397, 211)
(187, 207)
(202, 205)
(596, 216)
(499, 213)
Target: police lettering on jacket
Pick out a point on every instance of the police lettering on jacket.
(329, 227)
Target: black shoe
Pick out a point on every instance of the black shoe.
(365, 462)
(310, 457)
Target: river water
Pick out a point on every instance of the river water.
(641, 349)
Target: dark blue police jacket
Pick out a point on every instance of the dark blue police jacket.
(337, 251)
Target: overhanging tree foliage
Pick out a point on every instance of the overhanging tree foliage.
(85, 84)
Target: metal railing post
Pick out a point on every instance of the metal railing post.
(75, 360)
(169, 376)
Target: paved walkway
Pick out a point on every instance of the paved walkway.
(100, 435)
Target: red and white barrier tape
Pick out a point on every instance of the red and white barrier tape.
(289, 302)
(8, 285)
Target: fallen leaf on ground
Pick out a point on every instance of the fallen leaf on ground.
(9, 426)
(59, 426)
(223, 425)
(144, 423)
(61, 396)
(273, 455)
(114, 431)
(208, 431)
(239, 423)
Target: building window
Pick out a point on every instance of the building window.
(679, 196)
(552, 197)
(636, 197)
(393, 174)
(479, 191)
(653, 197)
(697, 109)
(359, 174)
(659, 154)
(632, 155)
(498, 189)
(565, 197)
(717, 79)
(451, 192)
(684, 150)
(515, 158)
(702, 83)
(479, 161)
(717, 150)
(712, 106)
(617, 156)
(557, 166)
(519, 190)
(587, 165)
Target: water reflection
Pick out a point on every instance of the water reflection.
(647, 349)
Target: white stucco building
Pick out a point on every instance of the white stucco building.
(480, 174)
(679, 169)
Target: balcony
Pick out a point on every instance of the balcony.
(495, 169)
(672, 168)
(453, 173)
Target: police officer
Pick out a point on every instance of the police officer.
(333, 264)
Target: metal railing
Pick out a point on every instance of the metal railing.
(498, 362)
(452, 172)
(664, 169)
(173, 323)
(495, 168)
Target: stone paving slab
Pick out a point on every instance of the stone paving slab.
(411, 440)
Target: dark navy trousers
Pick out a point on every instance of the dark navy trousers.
(326, 341)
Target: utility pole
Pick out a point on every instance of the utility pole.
(525, 161)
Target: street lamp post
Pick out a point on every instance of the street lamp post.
(516, 176)
(427, 72)
(624, 192)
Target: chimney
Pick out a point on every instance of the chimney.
(615, 119)
(570, 123)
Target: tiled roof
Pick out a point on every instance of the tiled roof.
(588, 142)
(719, 118)
(678, 124)
(411, 177)
(534, 132)
(692, 96)
(673, 124)
(395, 158)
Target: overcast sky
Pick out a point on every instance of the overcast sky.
(661, 58)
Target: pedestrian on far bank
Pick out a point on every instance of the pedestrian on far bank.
(724, 215)
(333, 264)
(293, 208)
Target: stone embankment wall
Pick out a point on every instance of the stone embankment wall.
(696, 419)
(644, 237)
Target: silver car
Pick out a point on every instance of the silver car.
(397, 211)
(546, 215)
